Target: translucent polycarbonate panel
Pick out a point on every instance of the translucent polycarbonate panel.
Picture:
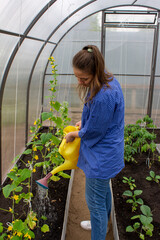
(86, 32)
(82, 14)
(130, 18)
(54, 17)
(129, 50)
(156, 103)
(158, 56)
(152, 4)
(135, 91)
(16, 15)
(14, 103)
(35, 96)
(135, 95)
(66, 91)
(64, 53)
(7, 44)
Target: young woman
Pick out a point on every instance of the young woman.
(101, 130)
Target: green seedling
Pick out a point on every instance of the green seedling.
(138, 139)
(153, 177)
(130, 181)
(133, 198)
(144, 226)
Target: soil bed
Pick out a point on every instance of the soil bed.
(53, 206)
(151, 193)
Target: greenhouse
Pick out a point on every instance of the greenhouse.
(39, 99)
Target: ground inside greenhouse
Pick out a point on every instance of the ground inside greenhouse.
(78, 211)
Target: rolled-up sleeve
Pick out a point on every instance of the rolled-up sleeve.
(100, 116)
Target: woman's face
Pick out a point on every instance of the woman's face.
(83, 77)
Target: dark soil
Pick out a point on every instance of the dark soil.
(151, 193)
(52, 207)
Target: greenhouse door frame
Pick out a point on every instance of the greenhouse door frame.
(154, 25)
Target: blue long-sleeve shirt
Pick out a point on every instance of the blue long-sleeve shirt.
(102, 134)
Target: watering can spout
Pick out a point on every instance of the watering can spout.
(43, 182)
(70, 152)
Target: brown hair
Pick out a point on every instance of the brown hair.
(91, 61)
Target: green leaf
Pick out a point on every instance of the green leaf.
(18, 225)
(2, 236)
(129, 229)
(139, 201)
(145, 147)
(37, 142)
(57, 106)
(125, 178)
(149, 233)
(152, 174)
(128, 193)
(15, 238)
(55, 178)
(58, 122)
(141, 236)
(135, 217)
(145, 220)
(46, 115)
(7, 190)
(136, 225)
(153, 146)
(18, 189)
(55, 140)
(44, 217)
(137, 192)
(45, 137)
(1, 227)
(45, 228)
(64, 175)
(124, 181)
(150, 229)
(16, 158)
(28, 195)
(26, 173)
(129, 201)
(40, 164)
(29, 232)
(149, 178)
(146, 210)
(28, 151)
(12, 175)
(39, 147)
(30, 220)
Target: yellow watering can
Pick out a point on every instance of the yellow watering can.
(70, 152)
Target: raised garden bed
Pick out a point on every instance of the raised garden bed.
(54, 206)
(122, 211)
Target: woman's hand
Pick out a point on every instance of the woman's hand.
(78, 124)
(71, 136)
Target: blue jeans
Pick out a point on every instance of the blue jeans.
(98, 198)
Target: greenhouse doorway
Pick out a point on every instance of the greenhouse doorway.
(129, 45)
